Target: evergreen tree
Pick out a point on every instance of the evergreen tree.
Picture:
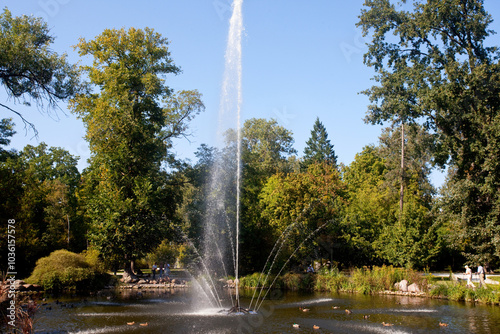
(319, 148)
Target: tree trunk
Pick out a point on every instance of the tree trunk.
(401, 193)
(128, 272)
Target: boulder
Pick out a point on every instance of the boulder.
(413, 288)
(402, 286)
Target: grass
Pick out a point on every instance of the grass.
(460, 292)
(363, 280)
(379, 279)
(497, 279)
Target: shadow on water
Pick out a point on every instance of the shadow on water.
(171, 311)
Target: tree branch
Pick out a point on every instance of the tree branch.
(27, 124)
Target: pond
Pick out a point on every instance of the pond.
(175, 311)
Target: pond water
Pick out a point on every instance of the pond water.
(175, 311)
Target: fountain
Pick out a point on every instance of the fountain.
(221, 227)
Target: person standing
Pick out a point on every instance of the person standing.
(468, 274)
(481, 274)
(153, 269)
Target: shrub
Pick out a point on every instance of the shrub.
(64, 270)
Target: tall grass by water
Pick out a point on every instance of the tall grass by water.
(374, 280)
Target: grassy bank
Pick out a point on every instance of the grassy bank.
(373, 280)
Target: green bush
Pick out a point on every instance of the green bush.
(64, 270)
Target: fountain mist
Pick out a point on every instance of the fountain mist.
(221, 227)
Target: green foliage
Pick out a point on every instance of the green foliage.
(433, 68)
(94, 259)
(382, 278)
(266, 147)
(166, 252)
(258, 280)
(370, 206)
(413, 241)
(6, 131)
(330, 280)
(131, 117)
(318, 147)
(29, 69)
(460, 292)
(64, 270)
(285, 197)
(297, 204)
(298, 282)
(38, 188)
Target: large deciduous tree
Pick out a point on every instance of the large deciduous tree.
(433, 67)
(131, 116)
(30, 70)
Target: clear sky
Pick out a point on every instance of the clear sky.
(301, 60)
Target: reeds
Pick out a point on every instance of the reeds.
(374, 280)
(460, 292)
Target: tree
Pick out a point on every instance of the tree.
(433, 67)
(6, 131)
(131, 117)
(265, 150)
(37, 189)
(374, 229)
(416, 159)
(297, 204)
(29, 70)
(370, 206)
(318, 147)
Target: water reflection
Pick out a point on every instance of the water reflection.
(176, 311)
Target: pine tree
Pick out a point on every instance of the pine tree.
(318, 147)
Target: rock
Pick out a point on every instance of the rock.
(403, 286)
(413, 288)
(142, 281)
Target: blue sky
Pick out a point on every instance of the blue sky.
(301, 60)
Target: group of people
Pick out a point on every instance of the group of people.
(164, 270)
(481, 272)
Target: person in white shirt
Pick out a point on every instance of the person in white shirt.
(481, 274)
(468, 273)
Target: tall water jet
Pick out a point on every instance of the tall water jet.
(222, 217)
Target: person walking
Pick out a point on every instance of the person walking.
(481, 273)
